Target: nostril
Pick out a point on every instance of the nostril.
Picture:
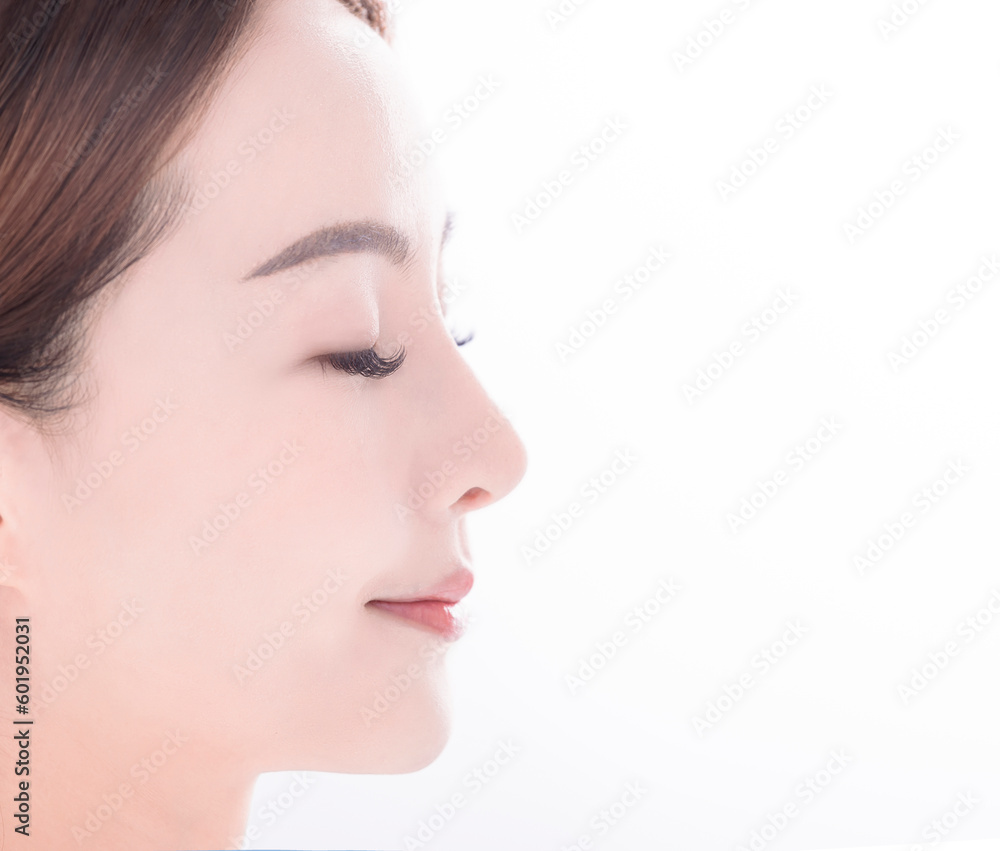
(474, 497)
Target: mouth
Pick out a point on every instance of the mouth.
(431, 609)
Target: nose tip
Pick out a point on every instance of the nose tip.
(520, 463)
(501, 469)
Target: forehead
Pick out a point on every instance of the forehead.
(306, 130)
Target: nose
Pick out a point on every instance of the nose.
(492, 458)
(467, 454)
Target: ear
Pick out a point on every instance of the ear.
(13, 603)
(18, 443)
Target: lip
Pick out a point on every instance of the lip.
(430, 608)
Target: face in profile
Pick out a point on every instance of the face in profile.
(251, 533)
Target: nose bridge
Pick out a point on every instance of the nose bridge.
(468, 454)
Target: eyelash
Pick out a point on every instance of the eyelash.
(370, 365)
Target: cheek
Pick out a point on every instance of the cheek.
(238, 527)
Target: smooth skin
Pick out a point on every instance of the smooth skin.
(143, 639)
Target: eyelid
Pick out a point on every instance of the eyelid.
(367, 363)
(364, 362)
(468, 338)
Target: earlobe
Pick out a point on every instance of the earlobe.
(10, 569)
(8, 572)
(31, 461)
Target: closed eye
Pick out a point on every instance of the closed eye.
(367, 363)
(468, 338)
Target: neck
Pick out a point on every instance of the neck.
(117, 783)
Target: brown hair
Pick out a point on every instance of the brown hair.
(94, 96)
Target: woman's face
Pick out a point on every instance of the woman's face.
(198, 552)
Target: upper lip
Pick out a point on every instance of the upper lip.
(449, 590)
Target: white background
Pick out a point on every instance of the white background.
(657, 186)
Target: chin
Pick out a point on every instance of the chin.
(412, 740)
(408, 736)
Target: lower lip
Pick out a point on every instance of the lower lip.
(434, 615)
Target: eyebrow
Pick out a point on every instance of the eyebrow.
(348, 238)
